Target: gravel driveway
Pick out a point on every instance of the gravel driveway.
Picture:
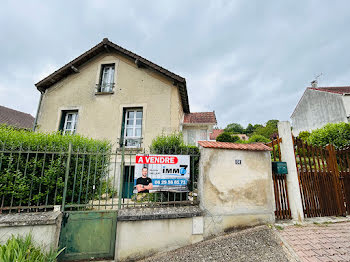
(253, 244)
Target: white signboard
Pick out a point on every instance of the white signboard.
(168, 172)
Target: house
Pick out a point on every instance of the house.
(111, 93)
(319, 106)
(198, 126)
(16, 118)
(216, 132)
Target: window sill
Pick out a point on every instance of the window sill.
(104, 93)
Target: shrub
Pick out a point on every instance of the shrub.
(337, 134)
(258, 138)
(304, 135)
(22, 249)
(32, 167)
(227, 137)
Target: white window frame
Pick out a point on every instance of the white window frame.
(73, 121)
(191, 134)
(106, 83)
(134, 127)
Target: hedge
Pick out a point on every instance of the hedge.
(33, 165)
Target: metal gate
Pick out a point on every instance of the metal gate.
(88, 235)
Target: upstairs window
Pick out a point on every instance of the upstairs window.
(133, 127)
(106, 84)
(69, 122)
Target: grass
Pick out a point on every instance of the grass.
(279, 227)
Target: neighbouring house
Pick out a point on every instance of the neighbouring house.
(319, 106)
(111, 93)
(16, 118)
(213, 135)
(198, 126)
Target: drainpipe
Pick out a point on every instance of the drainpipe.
(37, 111)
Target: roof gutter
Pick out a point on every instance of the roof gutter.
(37, 111)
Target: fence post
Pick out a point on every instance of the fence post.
(121, 177)
(66, 176)
(287, 152)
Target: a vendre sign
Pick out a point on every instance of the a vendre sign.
(168, 172)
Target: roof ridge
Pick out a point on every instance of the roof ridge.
(16, 110)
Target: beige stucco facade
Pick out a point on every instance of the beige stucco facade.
(100, 116)
(235, 189)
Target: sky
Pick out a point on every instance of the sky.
(250, 61)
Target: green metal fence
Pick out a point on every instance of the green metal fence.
(80, 179)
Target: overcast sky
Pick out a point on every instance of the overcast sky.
(250, 61)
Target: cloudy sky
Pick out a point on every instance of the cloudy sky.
(250, 61)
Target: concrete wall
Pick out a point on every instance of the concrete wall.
(100, 116)
(235, 195)
(346, 103)
(317, 108)
(44, 227)
(143, 238)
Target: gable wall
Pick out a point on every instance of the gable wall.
(100, 116)
(317, 108)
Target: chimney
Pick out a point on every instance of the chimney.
(314, 84)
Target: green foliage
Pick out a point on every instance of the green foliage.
(22, 249)
(337, 134)
(258, 138)
(304, 135)
(249, 130)
(32, 167)
(227, 137)
(268, 131)
(12, 138)
(234, 128)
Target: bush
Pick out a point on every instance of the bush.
(304, 135)
(227, 137)
(32, 167)
(337, 134)
(22, 249)
(258, 138)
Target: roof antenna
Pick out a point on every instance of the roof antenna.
(315, 82)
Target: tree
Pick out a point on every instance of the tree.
(249, 130)
(234, 128)
(227, 137)
(269, 130)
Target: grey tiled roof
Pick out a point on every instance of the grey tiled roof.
(15, 118)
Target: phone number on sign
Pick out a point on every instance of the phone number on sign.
(169, 182)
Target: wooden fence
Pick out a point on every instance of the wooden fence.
(324, 180)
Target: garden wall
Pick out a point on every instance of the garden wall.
(43, 226)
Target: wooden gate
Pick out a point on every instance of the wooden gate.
(321, 187)
(282, 209)
(343, 161)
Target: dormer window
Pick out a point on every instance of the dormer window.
(106, 83)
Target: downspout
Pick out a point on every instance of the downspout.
(37, 111)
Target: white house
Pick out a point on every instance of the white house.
(319, 106)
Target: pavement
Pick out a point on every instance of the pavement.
(318, 241)
(254, 244)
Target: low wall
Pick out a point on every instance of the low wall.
(44, 227)
(148, 233)
(235, 189)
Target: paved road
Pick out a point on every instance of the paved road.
(254, 244)
(319, 242)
